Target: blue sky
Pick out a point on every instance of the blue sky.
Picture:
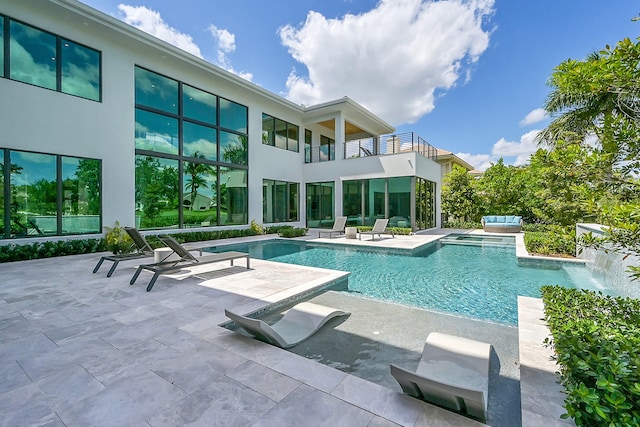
(469, 76)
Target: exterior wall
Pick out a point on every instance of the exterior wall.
(42, 120)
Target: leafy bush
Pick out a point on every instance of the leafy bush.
(555, 241)
(596, 339)
(292, 232)
(400, 231)
(276, 229)
(462, 225)
(12, 252)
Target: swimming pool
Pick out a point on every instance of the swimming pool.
(480, 280)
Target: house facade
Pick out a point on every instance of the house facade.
(102, 122)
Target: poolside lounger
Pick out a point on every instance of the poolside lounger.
(298, 324)
(453, 372)
(186, 260)
(338, 227)
(141, 249)
(379, 228)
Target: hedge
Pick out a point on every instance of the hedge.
(597, 340)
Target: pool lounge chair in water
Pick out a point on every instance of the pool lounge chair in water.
(379, 228)
(299, 323)
(139, 249)
(453, 373)
(186, 260)
(338, 227)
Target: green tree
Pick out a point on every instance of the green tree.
(459, 197)
(503, 190)
(237, 153)
(197, 173)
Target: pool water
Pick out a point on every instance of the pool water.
(480, 281)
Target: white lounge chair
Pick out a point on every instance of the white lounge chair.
(453, 373)
(379, 228)
(338, 227)
(298, 324)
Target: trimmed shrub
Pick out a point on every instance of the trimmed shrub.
(554, 240)
(292, 232)
(596, 339)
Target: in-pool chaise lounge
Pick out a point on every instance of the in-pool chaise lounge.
(185, 260)
(338, 227)
(453, 373)
(379, 228)
(298, 324)
(141, 249)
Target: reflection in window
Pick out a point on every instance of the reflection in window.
(233, 148)
(280, 201)
(278, 133)
(33, 188)
(234, 204)
(199, 141)
(352, 202)
(320, 204)
(233, 116)
(425, 204)
(33, 56)
(199, 205)
(307, 145)
(327, 148)
(400, 202)
(81, 196)
(156, 91)
(157, 192)
(198, 105)
(1, 53)
(80, 71)
(155, 132)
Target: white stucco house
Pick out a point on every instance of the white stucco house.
(102, 122)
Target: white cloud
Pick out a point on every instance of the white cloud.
(226, 44)
(535, 116)
(392, 58)
(516, 153)
(478, 161)
(151, 22)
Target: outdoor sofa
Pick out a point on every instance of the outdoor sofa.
(502, 223)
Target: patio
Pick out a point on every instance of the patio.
(81, 349)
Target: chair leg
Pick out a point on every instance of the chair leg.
(153, 281)
(95, 269)
(113, 268)
(135, 275)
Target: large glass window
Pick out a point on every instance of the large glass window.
(200, 158)
(43, 59)
(233, 116)
(233, 196)
(157, 192)
(327, 148)
(320, 204)
(352, 203)
(400, 202)
(156, 91)
(80, 70)
(156, 132)
(280, 201)
(279, 133)
(49, 194)
(81, 196)
(198, 105)
(33, 56)
(307, 145)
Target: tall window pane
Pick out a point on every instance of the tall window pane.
(267, 129)
(320, 204)
(157, 192)
(80, 71)
(293, 137)
(155, 132)
(2, 211)
(33, 56)
(156, 91)
(280, 132)
(199, 141)
(1, 46)
(307, 145)
(294, 201)
(198, 105)
(81, 200)
(233, 148)
(352, 202)
(233, 116)
(33, 194)
(400, 202)
(233, 196)
(376, 200)
(199, 195)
